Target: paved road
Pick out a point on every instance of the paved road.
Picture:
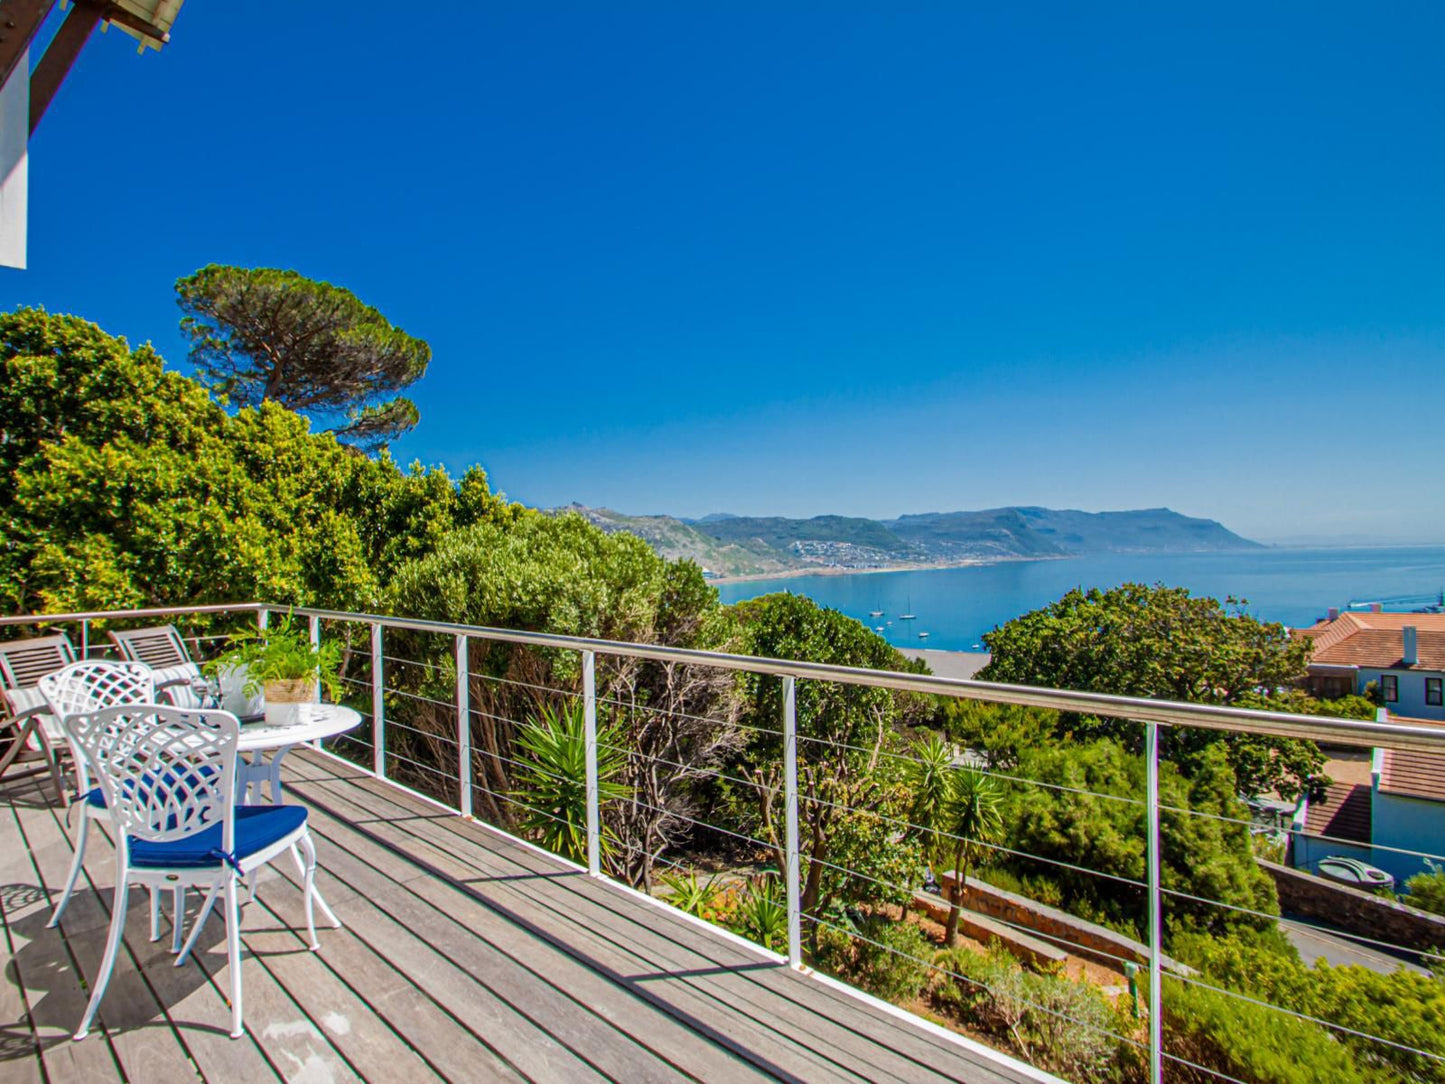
(1339, 949)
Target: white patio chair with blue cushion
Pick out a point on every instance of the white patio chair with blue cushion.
(87, 687)
(169, 779)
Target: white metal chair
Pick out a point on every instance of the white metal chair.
(88, 687)
(35, 732)
(162, 649)
(169, 779)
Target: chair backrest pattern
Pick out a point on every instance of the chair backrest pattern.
(97, 683)
(158, 647)
(24, 662)
(167, 773)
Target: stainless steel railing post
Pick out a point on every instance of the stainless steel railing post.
(589, 730)
(262, 616)
(378, 705)
(1156, 912)
(790, 789)
(315, 629)
(464, 730)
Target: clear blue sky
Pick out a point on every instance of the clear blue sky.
(833, 260)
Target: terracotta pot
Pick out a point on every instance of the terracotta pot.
(284, 699)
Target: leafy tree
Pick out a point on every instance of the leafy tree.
(1162, 642)
(843, 731)
(123, 484)
(561, 574)
(1001, 732)
(260, 334)
(1085, 809)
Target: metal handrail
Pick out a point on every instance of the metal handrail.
(1330, 729)
(1140, 709)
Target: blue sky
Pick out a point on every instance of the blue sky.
(793, 259)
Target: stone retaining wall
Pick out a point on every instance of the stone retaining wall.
(1355, 910)
(1074, 935)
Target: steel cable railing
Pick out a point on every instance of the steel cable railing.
(399, 685)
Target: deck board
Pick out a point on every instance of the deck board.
(465, 956)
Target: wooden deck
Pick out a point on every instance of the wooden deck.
(465, 956)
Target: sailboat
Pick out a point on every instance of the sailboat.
(923, 636)
(875, 613)
(910, 615)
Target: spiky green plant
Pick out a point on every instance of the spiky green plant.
(761, 916)
(550, 781)
(693, 895)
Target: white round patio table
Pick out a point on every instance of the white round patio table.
(313, 723)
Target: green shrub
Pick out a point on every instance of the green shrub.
(1050, 1020)
(1427, 890)
(1403, 1008)
(1223, 1034)
(889, 958)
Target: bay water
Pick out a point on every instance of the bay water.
(956, 606)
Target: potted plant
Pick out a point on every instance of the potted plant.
(283, 666)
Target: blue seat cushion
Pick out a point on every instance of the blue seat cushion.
(257, 827)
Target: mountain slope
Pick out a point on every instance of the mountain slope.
(728, 545)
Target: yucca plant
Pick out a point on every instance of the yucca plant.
(761, 915)
(551, 779)
(695, 896)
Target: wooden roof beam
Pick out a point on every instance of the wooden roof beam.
(19, 21)
(60, 54)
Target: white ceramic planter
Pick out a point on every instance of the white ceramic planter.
(233, 692)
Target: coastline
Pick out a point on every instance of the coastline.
(833, 570)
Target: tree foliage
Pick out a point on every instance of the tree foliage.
(843, 731)
(560, 574)
(1085, 809)
(264, 335)
(123, 484)
(1162, 642)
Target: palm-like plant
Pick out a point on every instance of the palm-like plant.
(551, 779)
(958, 811)
(974, 818)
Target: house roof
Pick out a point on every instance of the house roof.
(1377, 640)
(1343, 813)
(1416, 775)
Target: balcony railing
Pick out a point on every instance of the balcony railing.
(450, 779)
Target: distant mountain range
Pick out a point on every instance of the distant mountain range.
(728, 545)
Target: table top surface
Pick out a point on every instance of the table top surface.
(315, 721)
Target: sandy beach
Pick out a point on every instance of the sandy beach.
(964, 665)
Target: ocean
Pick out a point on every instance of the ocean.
(956, 606)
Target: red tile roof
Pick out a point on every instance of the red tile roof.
(1344, 813)
(1416, 775)
(1377, 640)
